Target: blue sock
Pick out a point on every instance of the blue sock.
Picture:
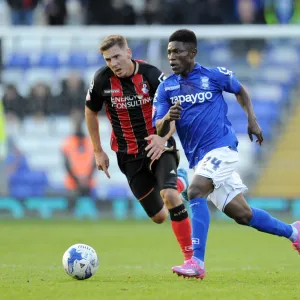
(263, 221)
(200, 224)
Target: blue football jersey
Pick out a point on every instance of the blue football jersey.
(204, 125)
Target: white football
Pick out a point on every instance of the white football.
(80, 261)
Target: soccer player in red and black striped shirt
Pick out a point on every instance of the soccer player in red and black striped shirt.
(126, 88)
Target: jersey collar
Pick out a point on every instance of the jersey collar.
(197, 68)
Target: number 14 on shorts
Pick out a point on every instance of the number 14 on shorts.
(212, 160)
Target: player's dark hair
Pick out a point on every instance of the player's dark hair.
(185, 36)
(111, 41)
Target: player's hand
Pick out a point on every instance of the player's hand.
(102, 162)
(156, 147)
(174, 112)
(254, 129)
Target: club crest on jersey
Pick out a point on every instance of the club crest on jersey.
(204, 82)
(145, 88)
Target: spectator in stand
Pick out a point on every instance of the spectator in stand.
(22, 11)
(78, 154)
(203, 12)
(249, 12)
(282, 12)
(151, 13)
(13, 104)
(39, 101)
(16, 161)
(98, 12)
(73, 91)
(124, 13)
(115, 12)
(56, 12)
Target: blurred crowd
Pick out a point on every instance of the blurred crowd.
(41, 102)
(130, 12)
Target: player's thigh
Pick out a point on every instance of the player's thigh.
(218, 165)
(143, 185)
(140, 179)
(238, 209)
(165, 171)
(154, 206)
(230, 189)
(200, 187)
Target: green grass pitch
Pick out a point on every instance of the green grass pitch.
(136, 260)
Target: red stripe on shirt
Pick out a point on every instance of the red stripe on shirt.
(142, 88)
(123, 115)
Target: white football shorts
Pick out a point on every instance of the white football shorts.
(220, 165)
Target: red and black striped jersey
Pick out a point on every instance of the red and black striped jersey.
(128, 103)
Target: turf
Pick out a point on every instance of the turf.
(135, 262)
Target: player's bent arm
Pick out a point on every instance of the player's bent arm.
(244, 100)
(92, 122)
(157, 143)
(171, 131)
(163, 126)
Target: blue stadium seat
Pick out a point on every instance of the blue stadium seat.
(287, 56)
(48, 60)
(100, 61)
(120, 192)
(28, 183)
(209, 45)
(268, 92)
(267, 110)
(37, 178)
(277, 75)
(77, 60)
(19, 191)
(221, 57)
(240, 126)
(234, 109)
(18, 60)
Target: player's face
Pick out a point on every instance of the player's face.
(181, 57)
(119, 60)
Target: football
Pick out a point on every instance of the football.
(80, 261)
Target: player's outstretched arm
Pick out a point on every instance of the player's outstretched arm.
(92, 122)
(253, 126)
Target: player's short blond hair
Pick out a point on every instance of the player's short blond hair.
(112, 40)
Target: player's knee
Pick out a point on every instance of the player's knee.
(170, 197)
(198, 191)
(243, 216)
(161, 216)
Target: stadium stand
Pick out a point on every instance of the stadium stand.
(271, 86)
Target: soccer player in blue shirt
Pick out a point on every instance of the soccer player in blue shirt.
(192, 97)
